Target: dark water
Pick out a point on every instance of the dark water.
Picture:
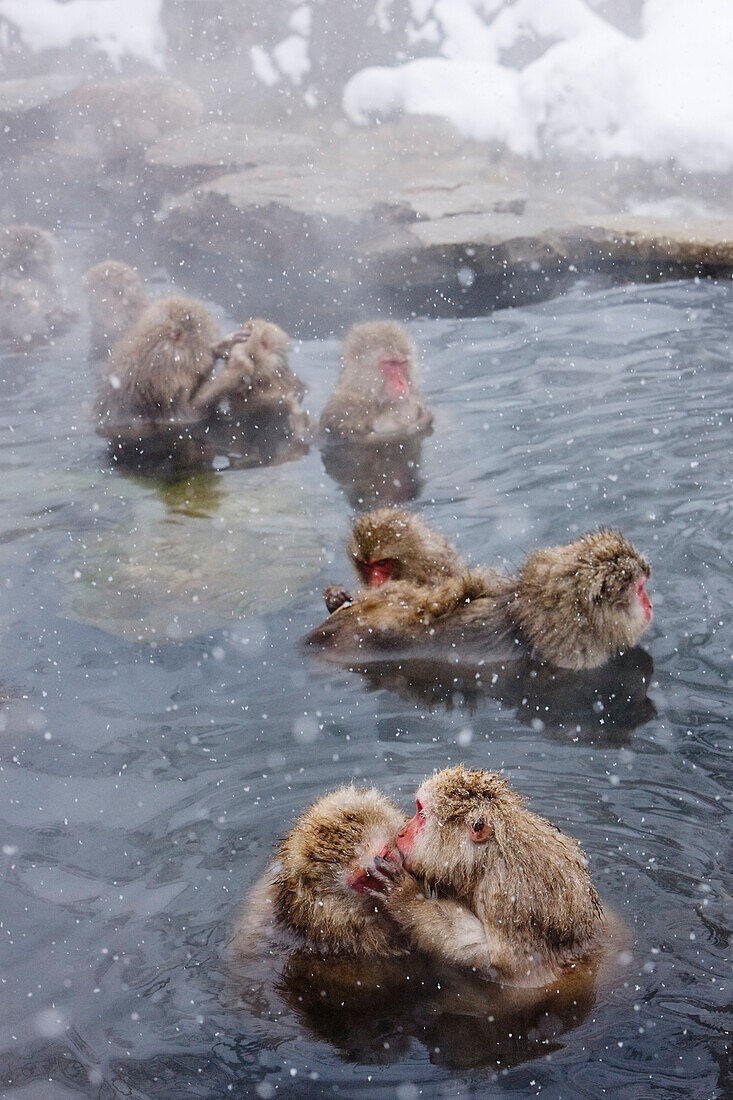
(162, 729)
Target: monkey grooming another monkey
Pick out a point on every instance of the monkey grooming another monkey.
(116, 299)
(30, 304)
(256, 381)
(377, 395)
(390, 544)
(474, 880)
(155, 370)
(575, 606)
(315, 887)
(483, 883)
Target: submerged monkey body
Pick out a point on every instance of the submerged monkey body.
(575, 606)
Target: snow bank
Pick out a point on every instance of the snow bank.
(591, 90)
(118, 29)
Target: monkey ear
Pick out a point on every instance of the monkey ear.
(480, 830)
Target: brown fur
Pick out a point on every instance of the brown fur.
(305, 890)
(257, 380)
(116, 299)
(31, 308)
(419, 554)
(115, 119)
(518, 905)
(570, 605)
(28, 252)
(361, 405)
(157, 367)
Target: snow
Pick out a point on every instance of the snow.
(592, 90)
(117, 29)
(584, 87)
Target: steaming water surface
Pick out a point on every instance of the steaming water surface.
(162, 728)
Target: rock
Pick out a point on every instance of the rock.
(204, 152)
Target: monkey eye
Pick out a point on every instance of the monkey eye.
(478, 825)
(420, 809)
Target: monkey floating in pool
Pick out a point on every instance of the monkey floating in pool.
(377, 395)
(391, 544)
(574, 606)
(474, 880)
(31, 308)
(157, 367)
(116, 299)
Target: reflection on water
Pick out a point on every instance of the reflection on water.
(165, 728)
(375, 475)
(607, 702)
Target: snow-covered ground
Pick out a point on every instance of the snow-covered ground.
(593, 90)
(589, 88)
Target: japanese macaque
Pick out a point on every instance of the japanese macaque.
(473, 880)
(30, 304)
(155, 370)
(316, 887)
(377, 395)
(112, 121)
(574, 606)
(116, 299)
(256, 382)
(483, 883)
(390, 544)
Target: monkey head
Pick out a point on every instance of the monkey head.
(383, 359)
(580, 603)
(321, 867)
(26, 251)
(472, 838)
(111, 280)
(446, 842)
(392, 544)
(181, 322)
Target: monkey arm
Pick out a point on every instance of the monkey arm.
(224, 385)
(347, 416)
(437, 926)
(222, 349)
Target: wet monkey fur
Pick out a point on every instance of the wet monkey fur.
(575, 606)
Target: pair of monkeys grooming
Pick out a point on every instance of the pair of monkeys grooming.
(574, 606)
(161, 368)
(474, 880)
(162, 360)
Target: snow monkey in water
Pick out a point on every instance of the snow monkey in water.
(575, 606)
(482, 882)
(390, 544)
(377, 395)
(157, 367)
(30, 304)
(256, 382)
(474, 880)
(315, 888)
(116, 299)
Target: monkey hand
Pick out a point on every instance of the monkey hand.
(222, 349)
(336, 596)
(385, 873)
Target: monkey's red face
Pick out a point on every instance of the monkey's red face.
(376, 573)
(642, 600)
(406, 837)
(424, 841)
(395, 373)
